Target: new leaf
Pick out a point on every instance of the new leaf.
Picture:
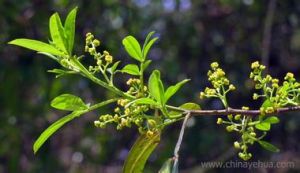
(37, 46)
(57, 33)
(70, 29)
(131, 69)
(133, 48)
(173, 89)
(268, 146)
(156, 87)
(68, 102)
(53, 128)
(140, 152)
(148, 44)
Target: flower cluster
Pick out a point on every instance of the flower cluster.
(245, 126)
(127, 114)
(220, 83)
(136, 89)
(253, 129)
(276, 95)
(103, 61)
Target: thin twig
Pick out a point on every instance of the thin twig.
(241, 111)
(179, 141)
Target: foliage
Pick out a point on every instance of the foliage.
(141, 105)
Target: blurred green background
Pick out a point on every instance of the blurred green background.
(193, 33)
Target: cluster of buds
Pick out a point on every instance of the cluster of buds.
(102, 60)
(220, 83)
(135, 88)
(126, 114)
(217, 76)
(278, 95)
(91, 44)
(244, 126)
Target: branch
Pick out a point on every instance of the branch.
(233, 111)
(179, 141)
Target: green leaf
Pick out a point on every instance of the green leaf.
(190, 106)
(148, 37)
(37, 46)
(187, 106)
(173, 89)
(57, 33)
(146, 101)
(113, 68)
(167, 166)
(140, 152)
(59, 123)
(133, 48)
(148, 46)
(146, 64)
(53, 128)
(268, 146)
(68, 102)
(156, 87)
(131, 69)
(272, 120)
(70, 29)
(263, 126)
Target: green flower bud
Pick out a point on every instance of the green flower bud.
(255, 65)
(219, 121)
(253, 134)
(236, 145)
(237, 117)
(230, 128)
(96, 42)
(230, 117)
(255, 96)
(214, 65)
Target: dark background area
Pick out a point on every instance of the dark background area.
(193, 33)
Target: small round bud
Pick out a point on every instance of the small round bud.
(253, 134)
(230, 116)
(255, 65)
(230, 128)
(108, 58)
(97, 123)
(202, 95)
(288, 76)
(214, 65)
(241, 155)
(231, 87)
(255, 96)
(237, 117)
(219, 121)
(96, 42)
(236, 145)
(105, 53)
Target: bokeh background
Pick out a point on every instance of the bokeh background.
(193, 33)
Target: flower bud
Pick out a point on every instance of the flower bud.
(219, 121)
(236, 145)
(96, 42)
